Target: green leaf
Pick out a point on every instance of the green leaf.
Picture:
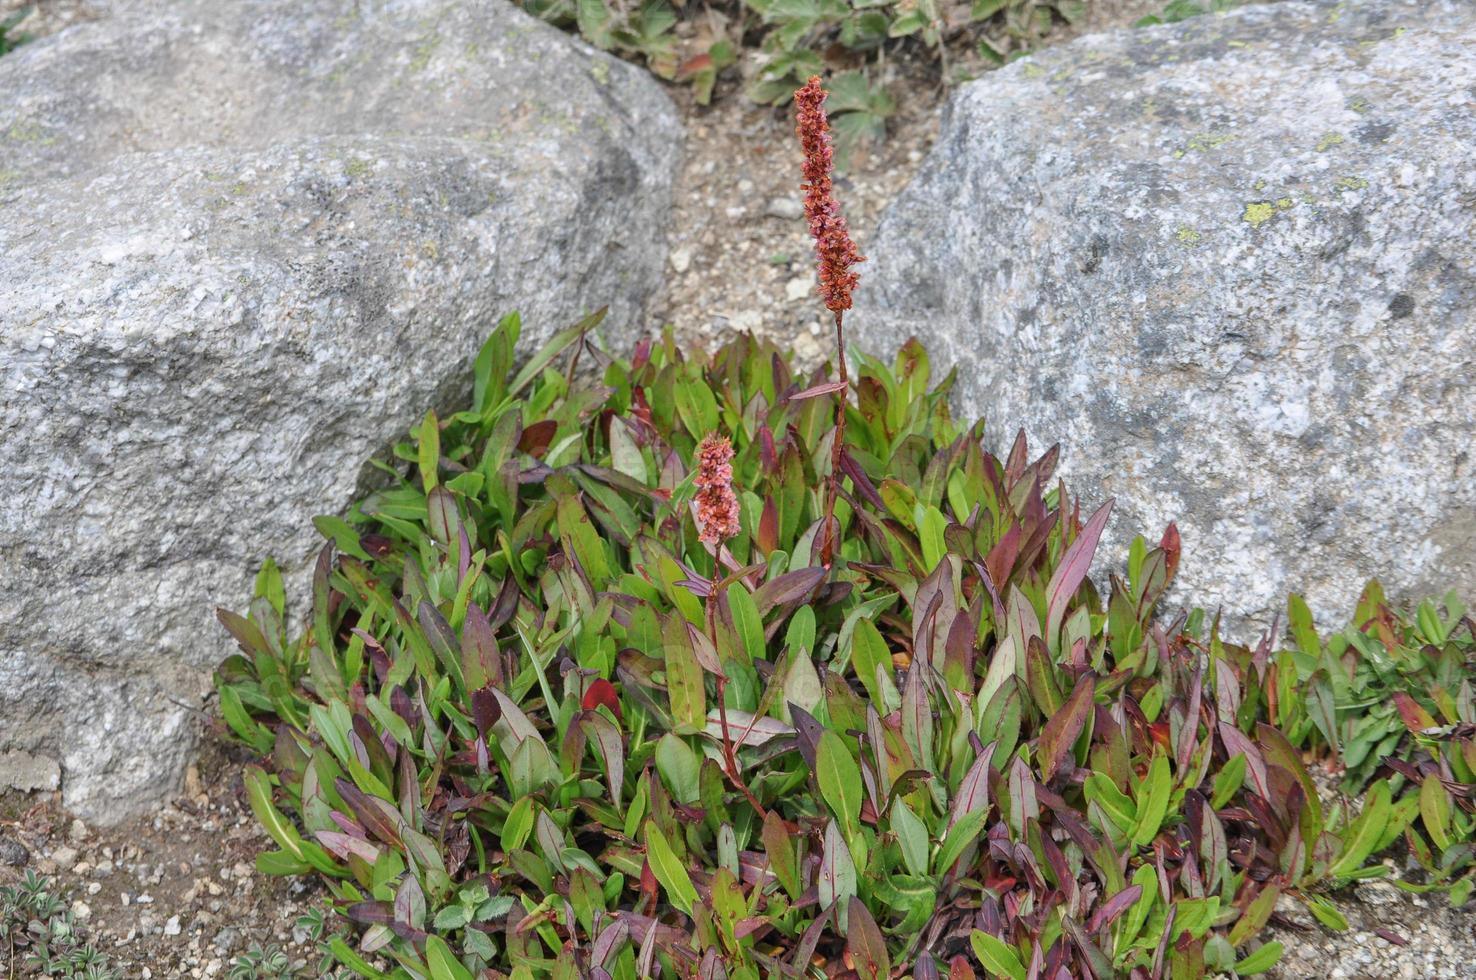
(669, 870)
(679, 767)
(840, 780)
(1260, 961)
(1255, 916)
(998, 958)
(1153, 801)
(1119, 808)
(746, 621)
(1435, 811)
(1361, 836)
(684, 686)
(779, 847)
(428, 453)
(1326, 912)
(259, 793)
(443, 964)
(959, 837)
(912, 837)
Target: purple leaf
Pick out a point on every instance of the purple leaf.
(1073, 569)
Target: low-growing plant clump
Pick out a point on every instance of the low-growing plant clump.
(688, 665)
(774, 45)
(41, 936)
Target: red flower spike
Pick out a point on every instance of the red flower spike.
(835, 251)
(717, 505)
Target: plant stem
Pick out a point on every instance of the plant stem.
(832, 490)
(730, 758)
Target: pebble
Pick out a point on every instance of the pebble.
(797, 288)
(171, 927)
(681, 259)
(13, 853)
(81, 911)
(65, 857)
(784, 208)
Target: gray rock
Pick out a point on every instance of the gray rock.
(244, 247)
(1230, 265)
(13, 853)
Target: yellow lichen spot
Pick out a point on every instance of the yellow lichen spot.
(1350, 183)
(429, 250)
(1208, 141)
(358, 169)
(1031, 70)
(1359, 104)
(1259, 185)
(1283, 203)
(1187, 236)
(1257, 213)
(600, 71)
(1328, 141)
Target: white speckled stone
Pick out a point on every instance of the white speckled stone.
(1230, 264)
(243, 247)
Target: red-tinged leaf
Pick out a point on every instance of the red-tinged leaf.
(608, 743)
(1389, 936)
(768, 529)
(1416, 718)
(602, 692)
(485, 710)
(377, 816)
(830, 387)
(610, 939)
(973, 792)
(1236, 743)
(536, 438)
(1073, 569)
(371, 913)
(244, 632)
(1000, 562)
(704, 651)
(342, 845)
(1062, 729)
(788, 588)
(481, 663)
(809, 731)
(865, 943)
(959, 969)
(693, 65)
(1172, 547)
(1109, 910)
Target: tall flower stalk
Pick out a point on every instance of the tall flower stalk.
(717, 522)
(835, 254)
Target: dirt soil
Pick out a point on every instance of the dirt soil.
(175, 894)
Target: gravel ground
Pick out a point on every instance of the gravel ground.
(174, 894)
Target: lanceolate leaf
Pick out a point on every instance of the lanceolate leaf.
(1062, 728)
(865, 943)
(998, 958)
(840, 780)
(669, 869)
(1073, 569)
(837, 876)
